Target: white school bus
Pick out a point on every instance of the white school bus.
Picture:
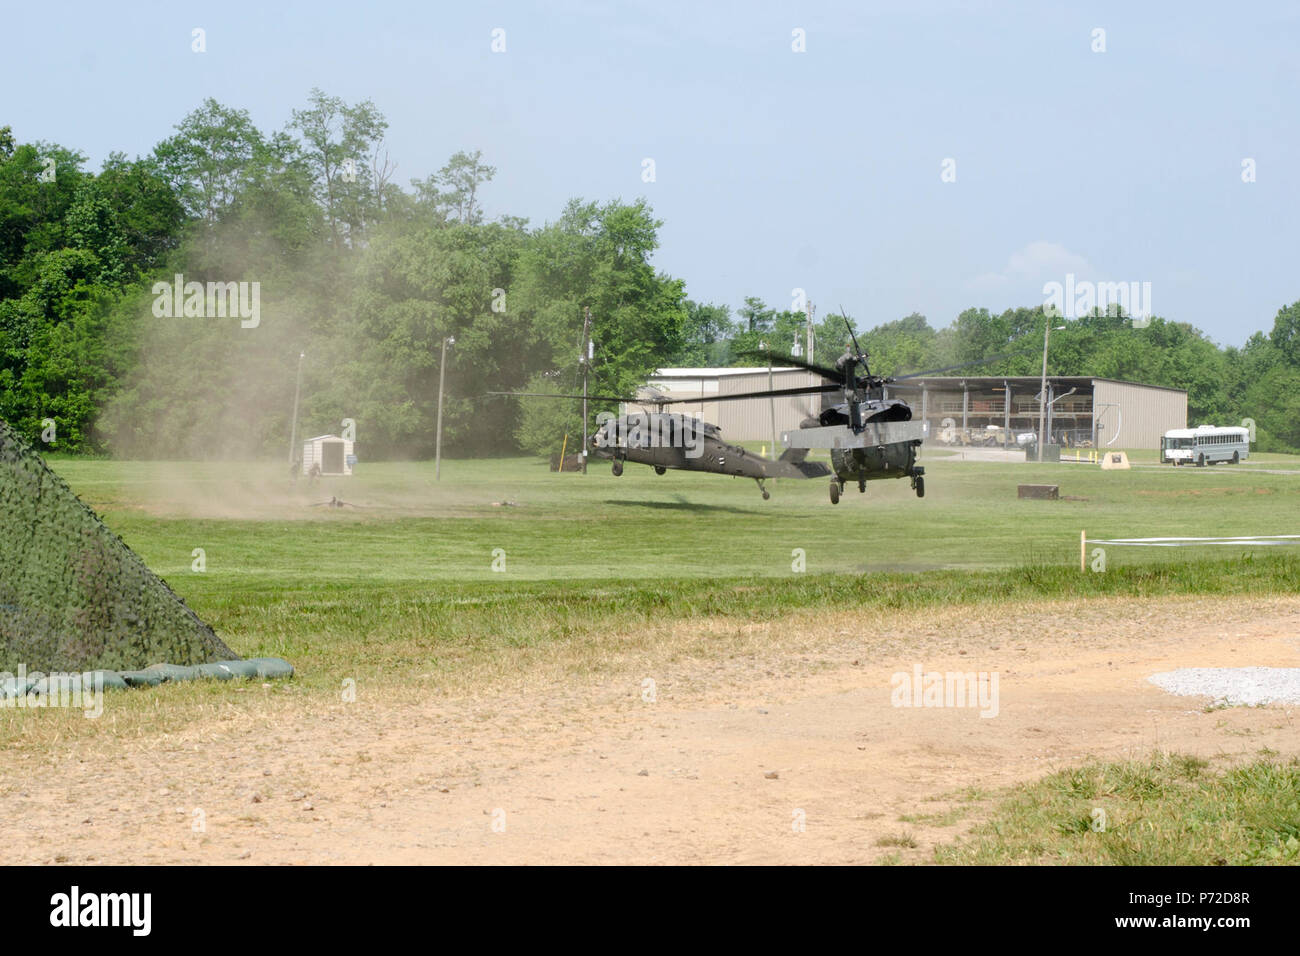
(1205, 445)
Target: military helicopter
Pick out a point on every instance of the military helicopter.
(869, 435)
(666, 440)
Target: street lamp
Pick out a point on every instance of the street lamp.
(1042, 395)
(437, 447)
(771, 401)
(1054, 401)
(293, 432)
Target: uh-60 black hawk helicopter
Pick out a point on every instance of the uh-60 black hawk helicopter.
(665, 440)
(869, 436)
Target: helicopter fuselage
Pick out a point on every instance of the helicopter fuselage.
(665, 440)
(868, 440)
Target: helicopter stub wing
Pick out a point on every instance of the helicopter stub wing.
(841, 436)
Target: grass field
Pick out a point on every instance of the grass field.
(679, 525)
(408, 574)
(400, 592)
(1168, 810)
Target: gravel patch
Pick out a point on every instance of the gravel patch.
(1235, 686)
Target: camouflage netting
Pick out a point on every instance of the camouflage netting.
(73, 596)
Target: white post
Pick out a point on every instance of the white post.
(437, 445)
(293, 432)
(1042, 394)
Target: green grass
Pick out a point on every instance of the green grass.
(401, 593)
(678, 525)
(1168, 810)
(407, 579)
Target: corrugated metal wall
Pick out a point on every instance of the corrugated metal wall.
(1143, 414)
(752, 420)
(743, 420)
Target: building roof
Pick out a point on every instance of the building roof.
(1025, 381)
(717, 372)
(934, 381)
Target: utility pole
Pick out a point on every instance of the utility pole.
(437, 447)
(293, 432)
(585, 359)
(771, 400)
(808, 331)
(1042, 394)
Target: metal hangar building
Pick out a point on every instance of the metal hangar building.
(1081, 409)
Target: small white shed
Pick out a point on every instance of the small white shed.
(332, 454)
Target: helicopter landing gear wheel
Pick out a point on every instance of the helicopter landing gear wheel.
(766, 494)
(835, 492)
(618, 468)
(919, 485)
(660, 469)
(862, 485)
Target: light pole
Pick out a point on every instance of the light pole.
(1042, 395)
(588, 353)
(771, 401)
(1054, 401)
(437, 446)
(293, 431)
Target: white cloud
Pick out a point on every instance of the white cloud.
(1038, 262)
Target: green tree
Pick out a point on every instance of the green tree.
(598, 257)
(207, 161)
(339, 142)
(706, 332)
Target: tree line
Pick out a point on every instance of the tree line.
(361, 280)
(1224, 385)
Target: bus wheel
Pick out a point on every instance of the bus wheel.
(1200, 460)
(1236, 458)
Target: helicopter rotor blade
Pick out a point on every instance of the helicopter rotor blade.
(590, 398)
(772, 393)
(857, 349)
(982, 361)
(775, 357)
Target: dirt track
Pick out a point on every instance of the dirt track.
(419, 780)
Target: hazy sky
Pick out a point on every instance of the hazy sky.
(775, 169)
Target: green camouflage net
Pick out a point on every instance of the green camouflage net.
(73, 596)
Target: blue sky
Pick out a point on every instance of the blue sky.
(775, 170)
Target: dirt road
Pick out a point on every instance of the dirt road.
(758, 744)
